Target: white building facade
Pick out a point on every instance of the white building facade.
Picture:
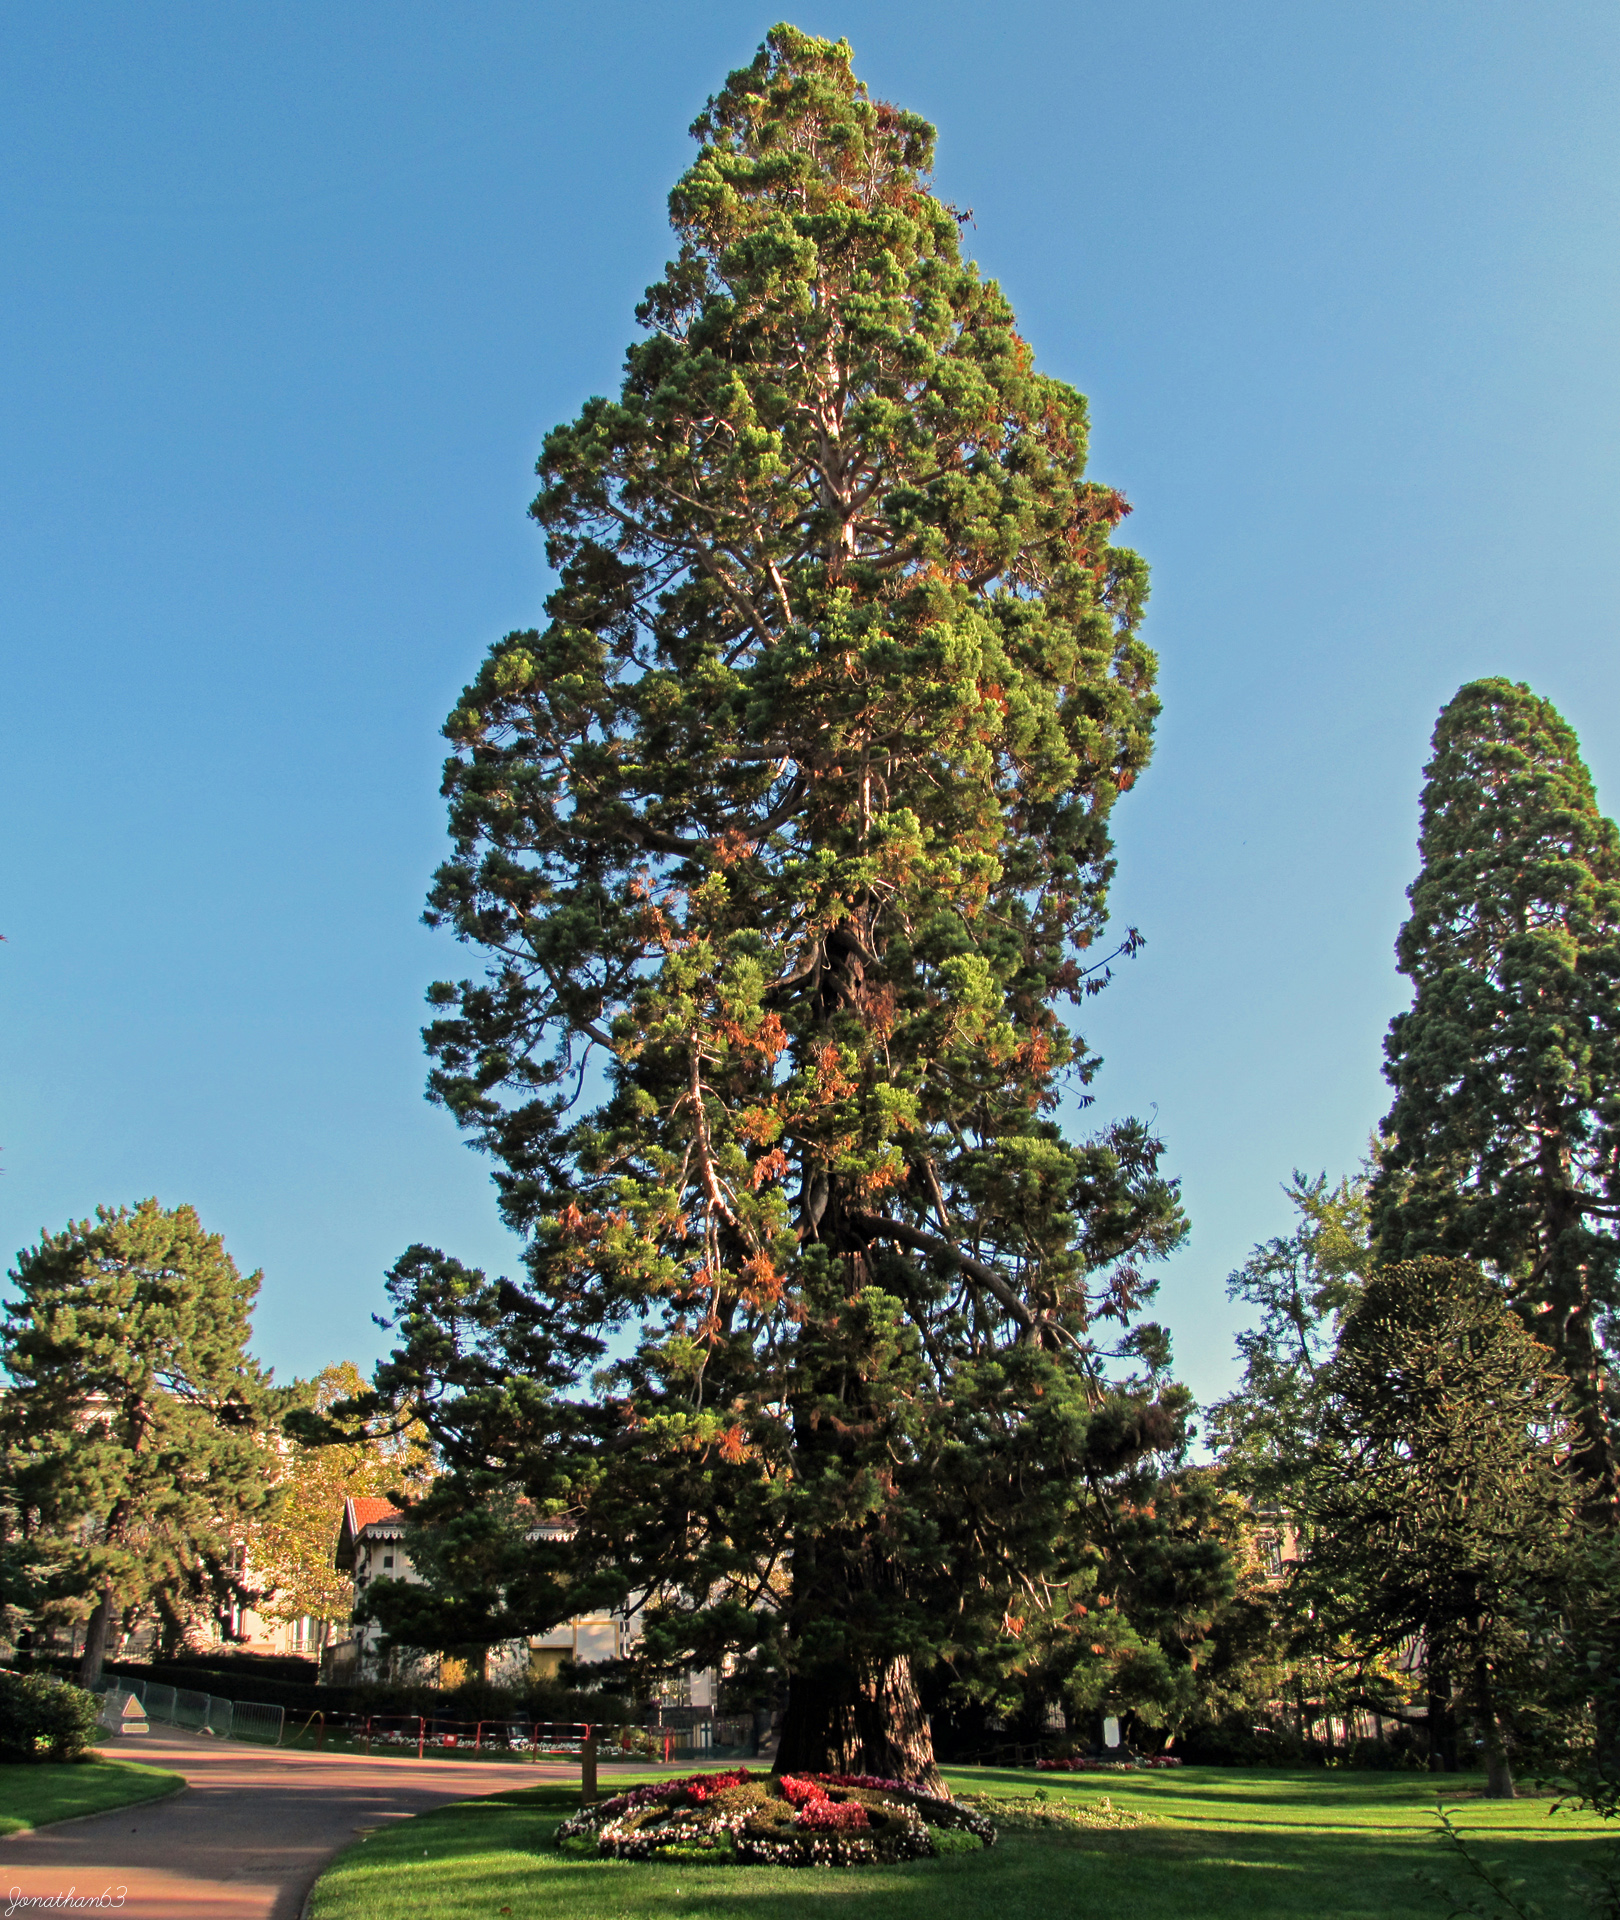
(371, 1546)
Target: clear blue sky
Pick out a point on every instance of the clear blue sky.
(288, 296)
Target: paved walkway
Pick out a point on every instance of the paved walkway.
(248, 1837)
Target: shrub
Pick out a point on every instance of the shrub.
(1238, 1743)
(954, 1840)
(43, 1718)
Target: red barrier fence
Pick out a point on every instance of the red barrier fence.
(505, 1738)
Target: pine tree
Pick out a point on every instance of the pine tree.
(789, 833)
(1503, 1142)
(132, 1423)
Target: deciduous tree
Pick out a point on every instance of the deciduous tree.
(292, 1547)
(789, 833)
(1302, 1283)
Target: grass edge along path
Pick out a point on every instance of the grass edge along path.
(46, 1792)
(1212, 1842)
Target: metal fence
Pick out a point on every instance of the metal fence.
(686, 1733)
(690, 1737)
(203, 1712)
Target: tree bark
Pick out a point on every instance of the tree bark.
(843, 1720)
(1442, 1722)
(95, 1639)
(850, 1709)
(1498, 1773)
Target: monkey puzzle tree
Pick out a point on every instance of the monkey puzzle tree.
(789, 834)
(1435, 1495)
(1503, 1143)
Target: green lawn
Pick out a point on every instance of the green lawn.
(1215, 1843)
(34, 1796)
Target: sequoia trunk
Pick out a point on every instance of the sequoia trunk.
(843, 1719)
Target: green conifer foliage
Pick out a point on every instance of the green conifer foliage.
(790, 832)
(1503, 1143)
(133, 1419)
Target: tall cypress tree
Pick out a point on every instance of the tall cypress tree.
(790, 834)
(1503, 1142)
(133, 1420)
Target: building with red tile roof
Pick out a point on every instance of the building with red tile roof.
(371, 1545)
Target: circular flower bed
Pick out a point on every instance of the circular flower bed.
(791, 1820)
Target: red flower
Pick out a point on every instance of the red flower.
(702, 1787)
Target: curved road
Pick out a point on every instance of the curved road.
(247, 1838)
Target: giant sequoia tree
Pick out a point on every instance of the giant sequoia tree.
(788, 839)
(1503, 1143)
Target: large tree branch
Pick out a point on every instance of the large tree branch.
(882, 1228)
(711, 1180)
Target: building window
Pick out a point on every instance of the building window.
(388, 1559)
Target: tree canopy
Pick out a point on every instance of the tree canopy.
(786, 840)
(1503, 1142)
